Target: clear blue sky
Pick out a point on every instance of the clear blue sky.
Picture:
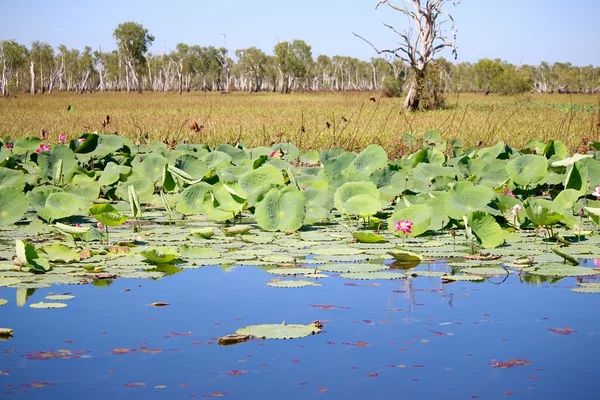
(514, 30)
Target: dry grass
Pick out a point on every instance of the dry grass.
(354, 119)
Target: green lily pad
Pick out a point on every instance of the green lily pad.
(427, 273)
(237, 230)
(281, 210)
(471, 278)
(279, 331)
(484, 271)
(403, 255)
(160, 255)
(352, 267)
(385, 275)
(203, 233)
(528, 169)
(41, 304)
(60, 253)
(72, 230)
(106, 214)
(3, 302)
(560, 270)
(59, 297)
(291, 284)
(587, 287)
(293, 271)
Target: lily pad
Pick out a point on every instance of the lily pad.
(472, 278)
(41, 304)
(160, 255)
(403, 255)
(386, 275)
(291, 284)
(560, 270)
(60, 253)
(59, 297)
(13, 204)
(3, 302)
(279, 331)
(352, 267)
(202, 233)
(237, 230)
(293, 271)
(587, 287)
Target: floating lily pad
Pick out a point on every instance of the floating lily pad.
(587, 287)
(368, 237)
(59, 297)
(291, 284)
(427, 273)
(403, 255)
(203, 233)
(279, 331)
(60, 253)
(8, 281)
(483, 271)
(160, 255)
(374, 275)
(237, 230)
(473, 278)
(560, 270)
(41, 304)
(3, 302)
(352, 267)
(293, 271)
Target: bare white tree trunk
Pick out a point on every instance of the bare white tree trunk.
(32, 72)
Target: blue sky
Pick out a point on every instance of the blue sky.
(527, 31)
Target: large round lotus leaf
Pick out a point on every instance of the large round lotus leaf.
(151, 168)
(371, 159)
(570, 160)
(279, 331)
(465, 198)
(237, 154)
(290, 150)
(528, 169)
(224, 200)
(290, 284)
(41, 304)
(216, 159)
(351, 189)
(543, 212)
(281, 210)
(191, 200)
(192, 165)
(160, 255)
(112, 173)
(143, 187)
(13, 204)
(487, 230)
(367, 237)
(374, 275)
(107, 215)
(362, 205)
(60, 253)
(84, 186)
(293, 271)
(261, 179)
(560, 270)
(418, 214)
(352, 267)
(472, 278)
(59, 156)
(24, 145)
(62, 205)
(494, 174)
(12, 178)
(405, 256)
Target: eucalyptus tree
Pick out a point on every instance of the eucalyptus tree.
(133, 41)
(12, 57)
(421, 41)
(294, 62)
(251, 66)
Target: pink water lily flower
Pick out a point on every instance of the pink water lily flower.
(62, 138)
(43, 147)
(596, 193)
(403, 226)
(517, 209)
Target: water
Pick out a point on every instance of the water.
(409, 339)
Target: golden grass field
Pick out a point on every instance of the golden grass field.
(355, 119)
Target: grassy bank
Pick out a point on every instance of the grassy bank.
(313, 120)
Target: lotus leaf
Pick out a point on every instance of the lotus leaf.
(587, 287)
(107, 215)
(352, 267)
(3, 302)
(405, 256)
(371, 159)
(151, 168)
(192, 167)
(13, 205)
(61, 205)
(383, 275)
(418, 214)
(30, 258)
(261, 180)
(560, 270)
(160, 255)
(472, 278)
(58, 164)
(293, 271)
(60, 253)
(191, 200)
(281, 210)
(216, 159)
(351, 189)
(290, 284)
(112, 173)
(279, 331)
(542, 212)
(484, 271)
(12, 178)
(486, 229)
(59, 297)
(41, 304)
(570, 160)
(367, 237)
(8, 281)
(465, 198)
(203, 233)
(237, 230)
(528, 169)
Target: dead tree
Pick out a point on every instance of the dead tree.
(421, 41)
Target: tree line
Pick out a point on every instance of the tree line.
(41, 68)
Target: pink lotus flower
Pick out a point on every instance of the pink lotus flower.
(596, 193)
(81, 140)
(272, 154)
(8, 145)
(517, 209)
(403, 226)
(100, 225)
(508, 192)
(62, 138)
(43, 147)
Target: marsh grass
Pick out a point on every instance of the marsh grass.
(310, 120)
